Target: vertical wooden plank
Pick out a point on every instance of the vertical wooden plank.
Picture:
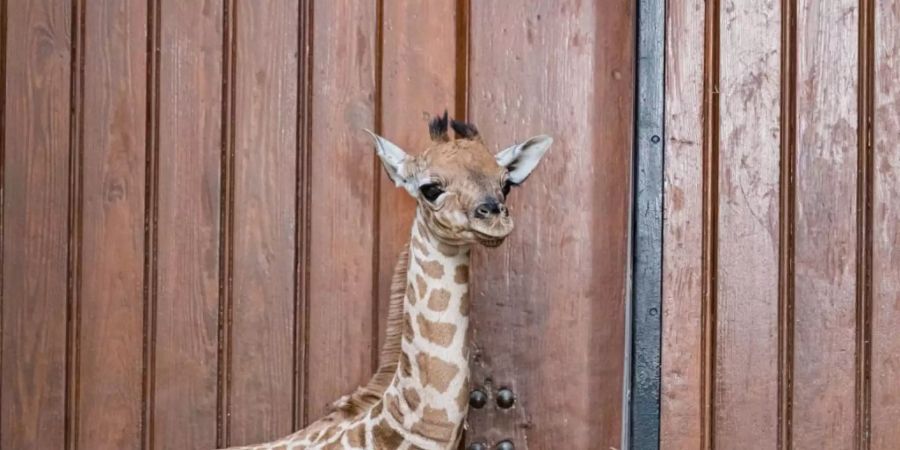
(418, 81)
(746, 379)
(682, 231)
(266, 78)
(546, 329)
(190, 137)
(111, 318)
(886, 230)
(36, 143)
(343, 194)
(825, 309)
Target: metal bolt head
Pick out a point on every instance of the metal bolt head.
(505, 444)
(477, 398)
(477, 446)
(505, 398)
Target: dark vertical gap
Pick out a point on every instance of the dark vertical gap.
(643, 410)
(787, 202)
(226, 226)
(302, 217)
(378, 125)
(3, 21)
(461, 99)
(864, 221)
(151, 215)
(75, 202)
(710, 221)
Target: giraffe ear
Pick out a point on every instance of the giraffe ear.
(395, 161)
(522, 159)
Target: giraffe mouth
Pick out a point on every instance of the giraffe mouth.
(489, 240)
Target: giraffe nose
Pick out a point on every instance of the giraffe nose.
(489, 208)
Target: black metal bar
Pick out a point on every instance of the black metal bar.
(647, 233)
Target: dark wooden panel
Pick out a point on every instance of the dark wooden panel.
(266, 79)
(112, 249)
(35, 197)
(418, 81)
(190, 147)
(343, 194)
(680, 403)
(552, 331)
(886, 231)
(746, 378)
(824, 371)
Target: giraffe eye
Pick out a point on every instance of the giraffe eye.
(431, 191)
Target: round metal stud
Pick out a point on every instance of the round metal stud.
(477, 446)
(505, 444)
(477, 398)
(505, 398)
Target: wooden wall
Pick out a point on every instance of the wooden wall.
(781, 277)
(197, 240)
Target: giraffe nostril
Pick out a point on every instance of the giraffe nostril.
(488, 208)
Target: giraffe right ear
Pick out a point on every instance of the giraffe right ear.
(396, 162)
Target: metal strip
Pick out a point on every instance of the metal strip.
(648, 210)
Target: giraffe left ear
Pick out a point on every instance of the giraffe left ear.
(522, 159)
(395, 161)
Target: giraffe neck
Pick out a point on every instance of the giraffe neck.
(427, 399)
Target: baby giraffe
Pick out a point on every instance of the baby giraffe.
(418, 397)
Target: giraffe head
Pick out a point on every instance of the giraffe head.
(460, 187)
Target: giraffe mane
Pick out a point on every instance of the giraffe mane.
(366, 396)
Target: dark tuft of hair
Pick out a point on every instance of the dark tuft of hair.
(438, 128)
(464, 130)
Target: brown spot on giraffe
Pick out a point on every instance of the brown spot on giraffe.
(462, 398)
(435, 424)
(448, 250)
(412, 398)
(462, 274)
(393, 407)
(410, 295)
(464, 304)
(356, 436)
(433, 269)
(407, 326)
(421, 286)
(436, 372)
(436, 332)
(405, 365)
(386, 437)
(439, 299)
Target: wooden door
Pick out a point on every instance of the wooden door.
(780, 269)
(197, 240)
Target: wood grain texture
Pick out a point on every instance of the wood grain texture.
(112, 250)
(824, 373)
(885, 413)
(418, 81)
(343, 194)
(190, 147)
(35, 197)
(548, 330)
(266, 78)
(746, 363)
(682, 232)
